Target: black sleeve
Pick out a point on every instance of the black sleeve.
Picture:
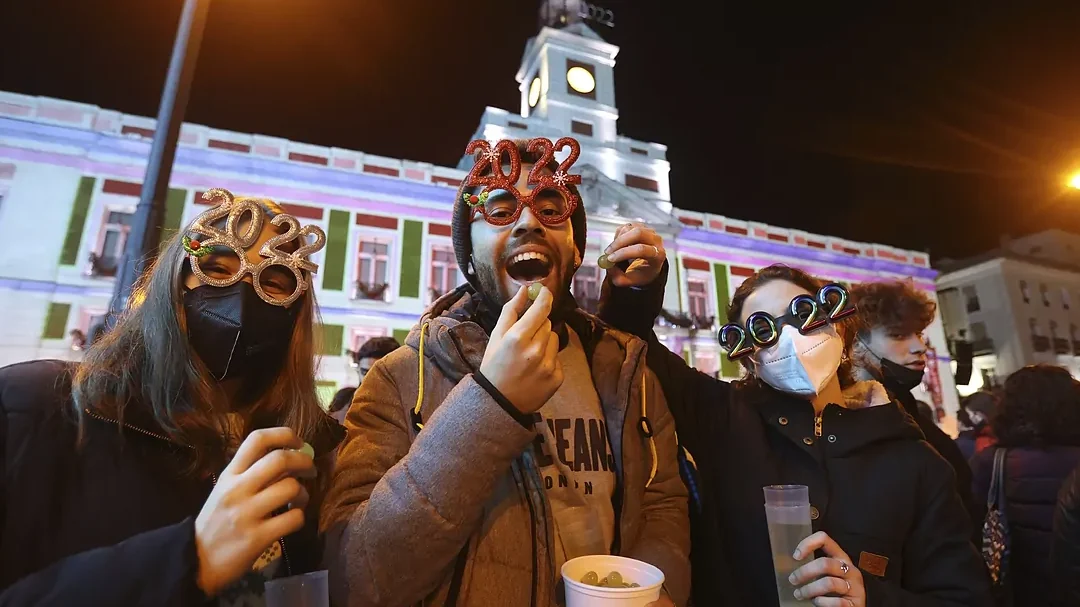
(941, 566)
(1065, 553)
(155, 567)
(946, 447)
(698, 402)
(633, 310)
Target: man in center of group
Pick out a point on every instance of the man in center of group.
(508, 436)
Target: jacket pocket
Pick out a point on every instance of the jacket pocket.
(874, 556)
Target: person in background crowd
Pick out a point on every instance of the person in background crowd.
(1038, 423)
(973, 421)
(339, 405)
(371, 351)
(888, 346)
(889, 527)
(1065, 551)
(507, 437)
(170, 467)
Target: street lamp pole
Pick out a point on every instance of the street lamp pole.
(142, 242)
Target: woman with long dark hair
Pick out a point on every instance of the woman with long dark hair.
(1037, 423)
(170, 467)
(889, 526)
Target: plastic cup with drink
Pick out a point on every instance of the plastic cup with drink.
(787, 512)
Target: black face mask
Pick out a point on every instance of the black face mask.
(235, 333)
(898, 377)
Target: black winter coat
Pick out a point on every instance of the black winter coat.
(1033, 478)
(110, 523)
(948, 449)
(1065, 555)
(876, 486)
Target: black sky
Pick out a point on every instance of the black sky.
(935, 126)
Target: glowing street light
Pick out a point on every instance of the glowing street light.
(1074, 181)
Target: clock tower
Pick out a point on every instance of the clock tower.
(567, 83)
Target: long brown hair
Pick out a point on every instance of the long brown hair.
(146, 367)
(803, 280)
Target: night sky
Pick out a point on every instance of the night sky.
(933, 126)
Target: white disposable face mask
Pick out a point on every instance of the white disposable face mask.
(800, 364)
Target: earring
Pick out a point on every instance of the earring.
(844, 357)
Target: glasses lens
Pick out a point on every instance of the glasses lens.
(550, 205)
(277, 282)
(500, 206)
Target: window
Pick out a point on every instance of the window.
(642, 183)
(697, 295)
(587, 282)
(1066, 301)
(105, 260)
(972, 298)
(373, 261)
(444, 270)
(581, 128)
(1045, 295)
(706, 361)
(359, 335)
(1024, 291)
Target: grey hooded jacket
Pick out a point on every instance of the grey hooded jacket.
(455, 512)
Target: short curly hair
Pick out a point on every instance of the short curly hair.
(896, 305)
(1040, 407)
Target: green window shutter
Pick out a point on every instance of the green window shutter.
(333, 339)
(56, 321)
(325, 390)
(174, 210)
(728, 367)
(411, 244)
(77, 222)
(400, 335)
(337, 241)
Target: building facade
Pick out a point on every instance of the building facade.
(1017, 305)
(70, 176)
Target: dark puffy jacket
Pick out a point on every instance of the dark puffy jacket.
(1033, 478)
(1065, 555)
(875, 485)
(110, 523)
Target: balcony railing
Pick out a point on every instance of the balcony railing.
(979, 347)
(1076, 346)
(1040, 343)
(102, 266)
(1061, 346)
(371, 292)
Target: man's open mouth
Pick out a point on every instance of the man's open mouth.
(529, 267)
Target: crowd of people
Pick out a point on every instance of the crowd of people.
(187, 459)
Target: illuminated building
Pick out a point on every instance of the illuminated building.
(70, 177)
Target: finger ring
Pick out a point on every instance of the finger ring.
(656, 251)
(850, 602)
(844, 568)
(848, 591)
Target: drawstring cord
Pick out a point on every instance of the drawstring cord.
(417, 420)
(646, 429)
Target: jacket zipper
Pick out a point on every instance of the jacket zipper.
(817, 425)
(213, 477)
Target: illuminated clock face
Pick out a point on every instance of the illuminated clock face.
(534, 92)
(580, 79)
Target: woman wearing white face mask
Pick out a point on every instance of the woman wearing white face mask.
(889, 527)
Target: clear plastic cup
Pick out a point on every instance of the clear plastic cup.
(307, 590)
(578, 594)
(787, 512)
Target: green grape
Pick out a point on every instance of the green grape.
(604, 263)
(308, 449)
(634, 585)
(590, 578)
(603, 583)
(534, 290)
(615, 578)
